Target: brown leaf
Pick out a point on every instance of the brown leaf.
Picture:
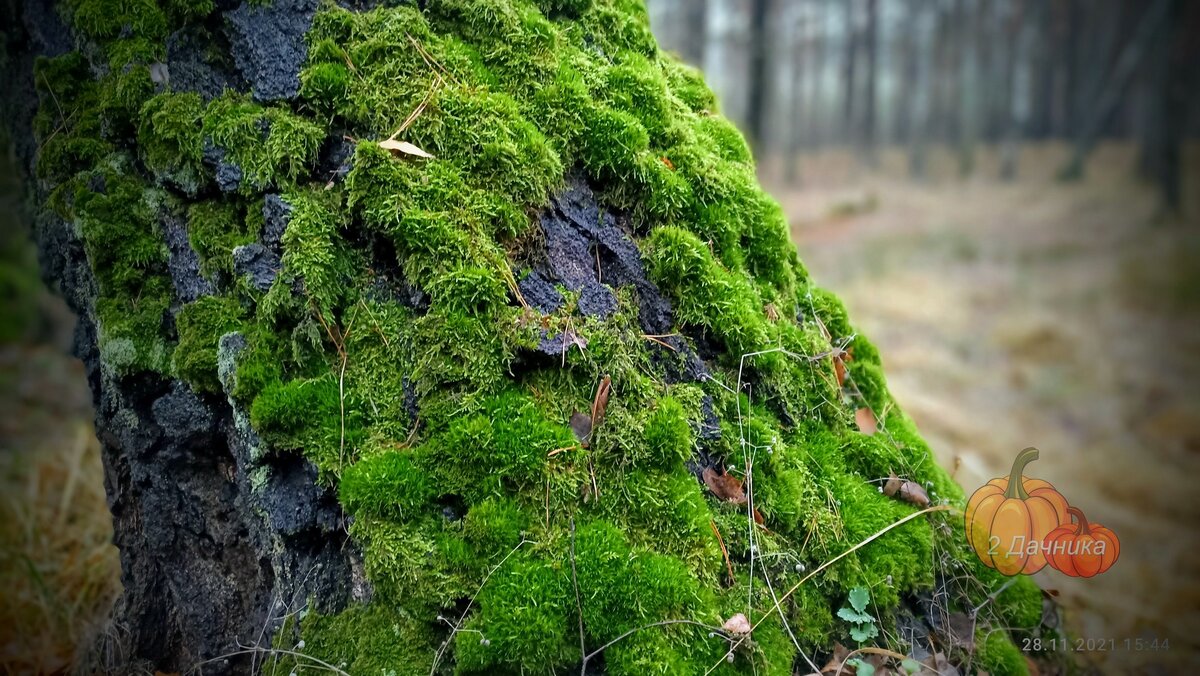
(758, 517)
(960, 631)
(892, 487)
(669, 164)
(840, 357)
(738, 624)
(581, 425)
(840, 653)
(914, 493)
(866, 421)
(938, 664)
(724, 486)
(403, 147)
(909, 491)
(600, 403)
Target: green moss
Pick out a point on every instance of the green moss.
(668, 434)
(364, 639)
(996, 654)
(524, 621)
(271, 145)
(314, 251)
(171, 137)
(104, 19)
(709, 296)
(200, 325)
(215, 228)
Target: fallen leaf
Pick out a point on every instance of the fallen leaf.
(960, 631)
(840, 653)
(581, 425)
(724, 486)
(738, 624)
(908, 491)
(600, 403)
(403, 147)
(758, 517)
(865, 421)
(840, 357)
(938, 664)
(670, 165)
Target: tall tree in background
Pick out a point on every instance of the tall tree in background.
(799, 35)
(870, 86)
(695, 22)
(757, 112)
(923, 97)
(849, 70)
(1021, 21)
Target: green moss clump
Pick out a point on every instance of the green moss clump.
(171, 137)
(200, 325)
(668, 434)
(272, 146)
(215, 228)
(997, 654)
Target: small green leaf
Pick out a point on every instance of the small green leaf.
(861, 667)
(852, 615)
(910, 666)
(863, 632)
(859, 596)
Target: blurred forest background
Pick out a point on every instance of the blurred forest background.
(1004, 192)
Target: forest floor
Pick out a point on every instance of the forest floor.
(1008, 315)
(1035, 313)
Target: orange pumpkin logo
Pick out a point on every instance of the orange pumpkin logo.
(1083, 549)
(1008, 519)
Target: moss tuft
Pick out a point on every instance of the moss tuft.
(996, 654)
(200, 325)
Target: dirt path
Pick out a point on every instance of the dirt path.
(1040, 315)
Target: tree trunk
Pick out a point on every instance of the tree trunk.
(757, 110)
(849, 73)
(797, 105)
(415, 351)
(870, 51)
(1153, 27)
(695, 21)
(1022, 22)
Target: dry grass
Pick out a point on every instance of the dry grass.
(1036, 313)
(57, 566)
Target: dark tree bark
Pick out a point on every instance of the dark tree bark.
(1021, 24)
(208, 562)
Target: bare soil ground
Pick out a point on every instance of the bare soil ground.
(1040, 314)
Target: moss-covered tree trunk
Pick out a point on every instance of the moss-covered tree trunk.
(458, 336)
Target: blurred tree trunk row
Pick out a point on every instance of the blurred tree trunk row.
(799, 75)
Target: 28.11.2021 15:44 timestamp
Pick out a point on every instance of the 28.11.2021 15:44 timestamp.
(1038, 645)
